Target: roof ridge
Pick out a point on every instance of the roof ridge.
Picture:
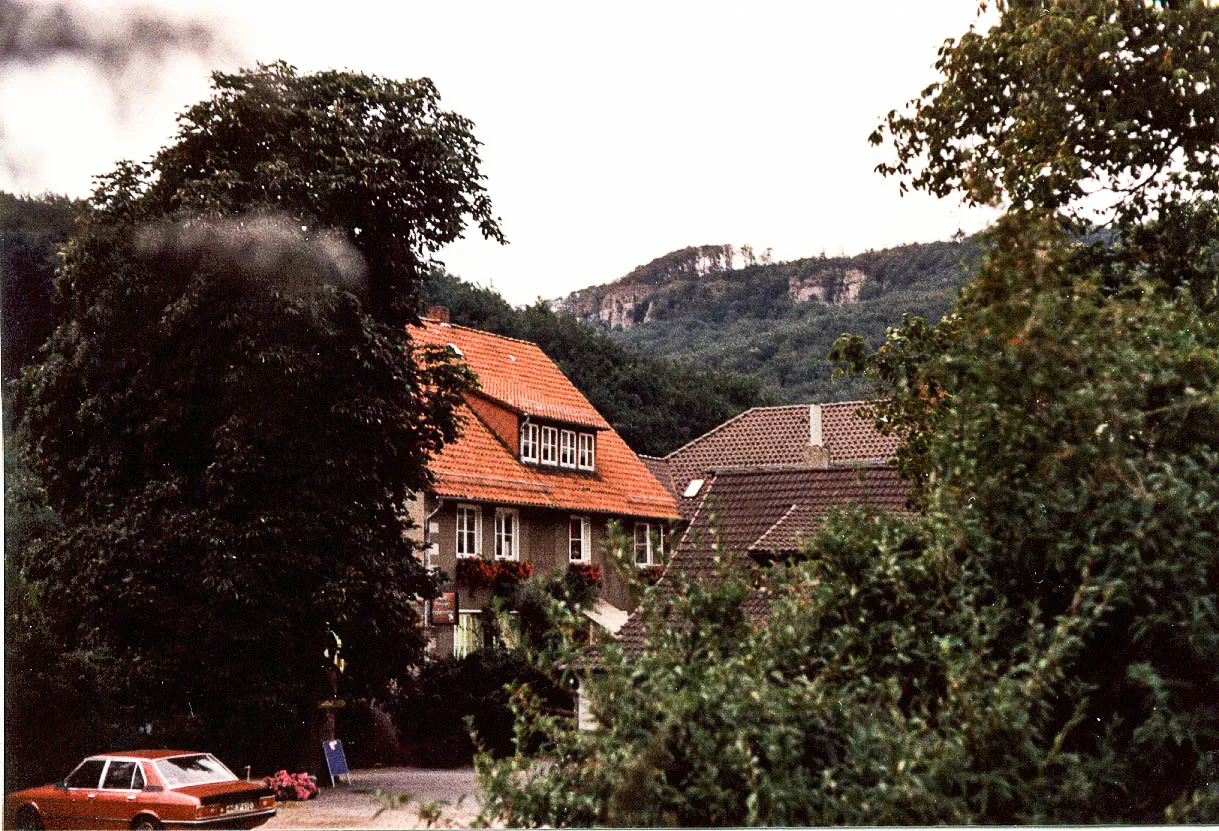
(736, 417)
(446, 324)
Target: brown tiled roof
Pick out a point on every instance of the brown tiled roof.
(771, 436)
(766, 511)
(478, 466)
(658, 468)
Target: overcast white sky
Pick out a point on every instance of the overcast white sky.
(614, 132)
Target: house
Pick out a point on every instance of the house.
(764, 513)
(815, 435)
(530, 485)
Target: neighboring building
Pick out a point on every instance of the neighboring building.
(814, 435)
(531, 482)
(764, 513)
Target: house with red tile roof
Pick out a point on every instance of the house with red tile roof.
(842, 434)
(530, 484)
(765, 513)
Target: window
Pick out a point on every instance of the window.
(87, 775)
(120, 774)
(550, 446)
(468, 635)
(588, 451)
(529, 442)
(580, 537)
(649, 544)
(196, 769)
(507, 534)
(567, 449)
(469, 531)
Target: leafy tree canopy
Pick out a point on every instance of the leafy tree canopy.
(1038, 643)
(229, 420)
(32, 230)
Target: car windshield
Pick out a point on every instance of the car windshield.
(196, 769)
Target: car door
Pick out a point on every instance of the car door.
(83, 788)
(116, 801)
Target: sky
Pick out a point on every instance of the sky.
(613, 133)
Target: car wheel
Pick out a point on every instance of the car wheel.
(27, 819)
(146, 824)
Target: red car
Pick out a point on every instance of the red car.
(144, 789)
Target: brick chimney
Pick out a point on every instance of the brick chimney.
(438, 313)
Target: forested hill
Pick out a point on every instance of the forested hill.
(724, 309)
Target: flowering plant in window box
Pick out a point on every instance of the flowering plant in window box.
(475, 572)
(584, 573)
(651, 574)
(512, 571)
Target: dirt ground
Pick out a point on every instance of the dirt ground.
(354, 805)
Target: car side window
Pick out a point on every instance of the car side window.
(87, 775)
(137, 781)
(119, 775)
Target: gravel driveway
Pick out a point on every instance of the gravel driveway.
(354, 806)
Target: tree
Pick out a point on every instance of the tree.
(230, 421)
(32, 230)
(1038, 642)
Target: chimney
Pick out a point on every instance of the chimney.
(438, 313)
(816, 454)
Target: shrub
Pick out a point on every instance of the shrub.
(292, 787)
(436, 712)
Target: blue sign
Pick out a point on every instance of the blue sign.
(336, 761)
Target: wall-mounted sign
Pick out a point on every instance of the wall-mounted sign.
(444, 609)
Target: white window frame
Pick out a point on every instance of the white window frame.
(463, 511)
(652, 543)
(567, 448)
(585, 539)
(469, 626)
(513, 539)
(529, 442)
(587, 459)
(549, 442)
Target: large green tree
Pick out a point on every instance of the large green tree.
(230, 420)
(1040, 642)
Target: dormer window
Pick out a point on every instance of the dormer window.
(550, 446)
(588, 451)
(529, 442)
(567, 448)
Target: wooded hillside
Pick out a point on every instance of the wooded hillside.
(775, 321)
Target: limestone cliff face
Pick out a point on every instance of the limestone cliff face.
(830, 285)
(615, 306)
(708, 274)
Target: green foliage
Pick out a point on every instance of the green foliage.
(438, 710)
(32, 230)
(656, 405)
(1038, 644)
(746, 321)
(229, 421)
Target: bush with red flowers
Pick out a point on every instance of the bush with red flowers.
(290, 787)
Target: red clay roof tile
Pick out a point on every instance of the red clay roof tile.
(518, 376)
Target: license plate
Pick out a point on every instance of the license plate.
(238, 807)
